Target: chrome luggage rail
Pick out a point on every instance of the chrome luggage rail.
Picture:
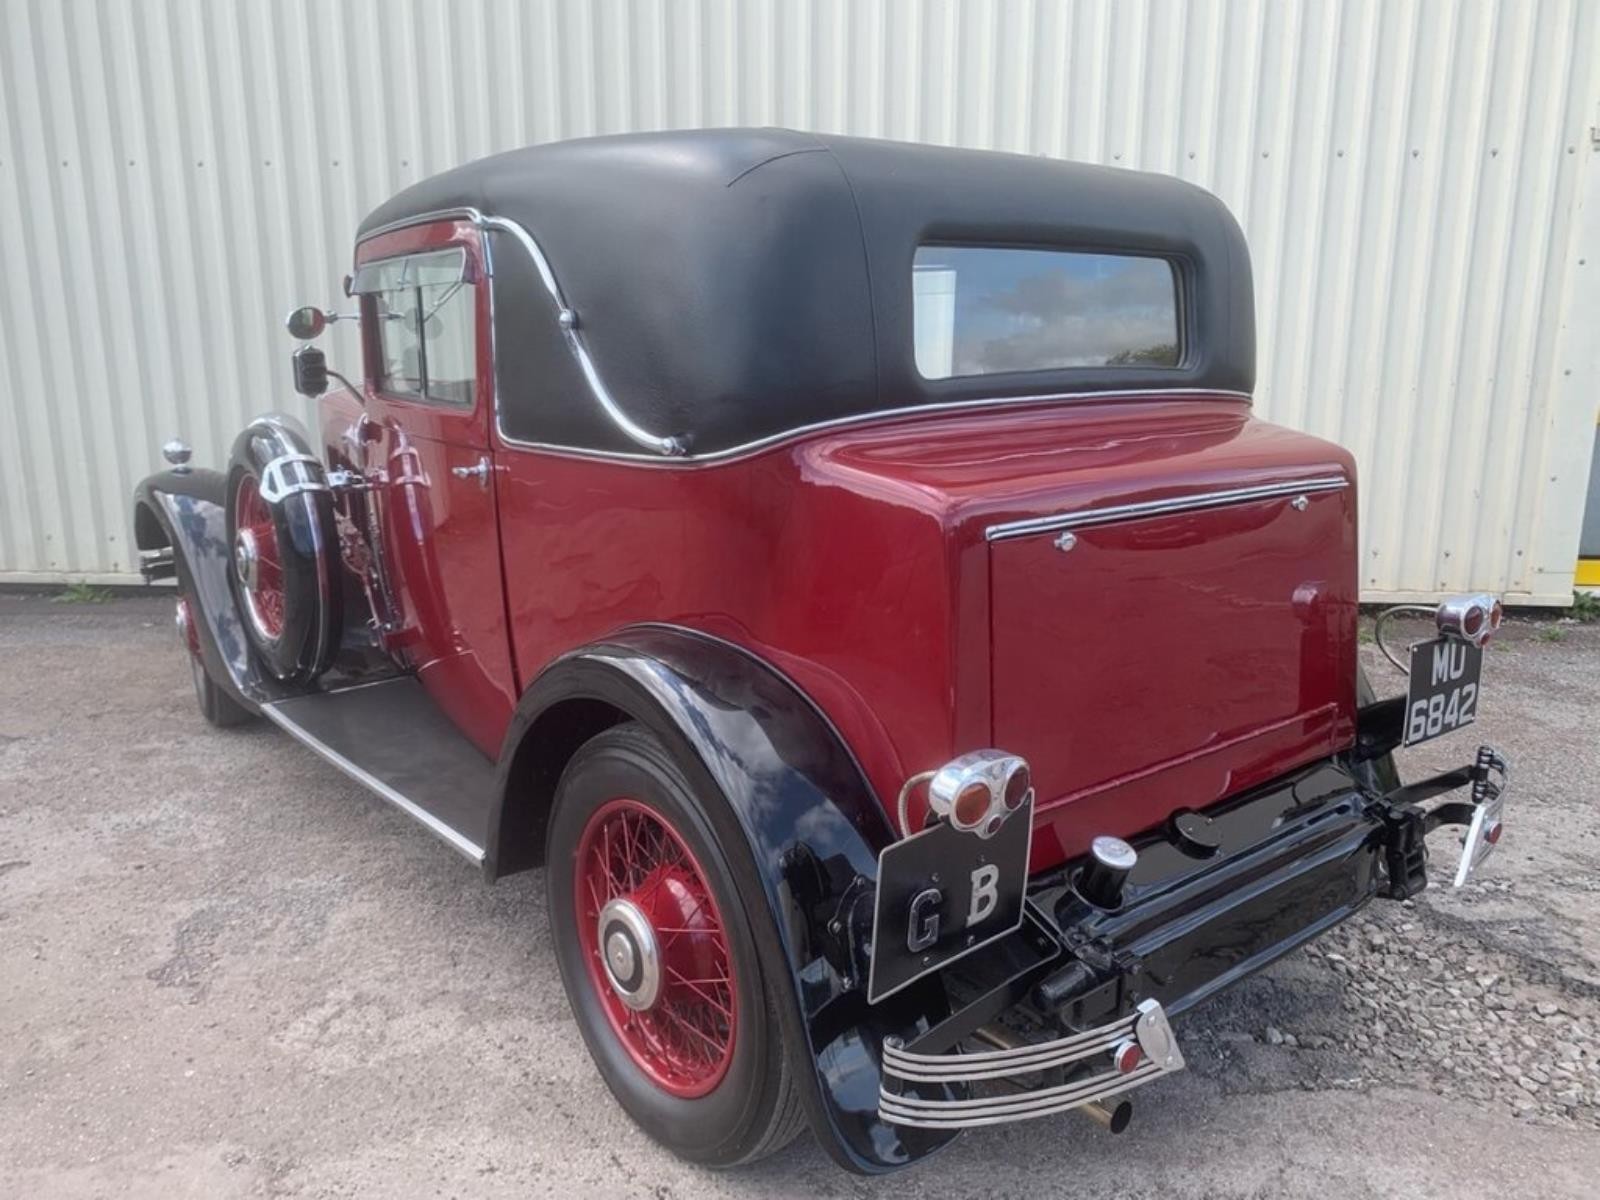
(1144, 1030)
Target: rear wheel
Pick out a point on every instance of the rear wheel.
(658, 956)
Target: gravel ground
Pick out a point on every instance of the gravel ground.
(226, 971)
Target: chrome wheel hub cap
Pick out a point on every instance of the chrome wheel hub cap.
(631, 955)
(246, 559)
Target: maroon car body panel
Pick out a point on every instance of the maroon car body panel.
(855, 561)
(817, 556)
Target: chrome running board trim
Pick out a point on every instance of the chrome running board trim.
(451, 837)
(1111, 514)
(1147, 1026)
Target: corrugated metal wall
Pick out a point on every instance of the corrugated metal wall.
(1417, 181)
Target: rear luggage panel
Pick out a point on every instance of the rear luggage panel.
(1162, 662)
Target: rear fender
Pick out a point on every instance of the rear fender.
(813, 827)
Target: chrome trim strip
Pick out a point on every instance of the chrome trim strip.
(568, 320)
(682, 457)
(366, 683)
(973, 1114)
(1090, 517)
(994, 1064)
(745, 449)
(472, 851)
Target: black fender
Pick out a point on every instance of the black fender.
(744, 732)
(1378, 731)
(186, 510)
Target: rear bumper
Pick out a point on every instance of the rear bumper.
(1092, 1063)
(1065, 997)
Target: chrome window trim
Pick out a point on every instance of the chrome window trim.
(746, 449)
(568, 320)
(1112, 514)
(682, 457)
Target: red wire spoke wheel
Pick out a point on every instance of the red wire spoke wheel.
(258, 560)
(659, 933)
(656, 947)
(283, 552)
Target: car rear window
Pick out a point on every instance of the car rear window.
(989, 310)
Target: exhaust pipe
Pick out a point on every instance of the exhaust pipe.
(1114, 1112)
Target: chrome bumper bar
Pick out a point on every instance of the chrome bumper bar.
(1492, 777)
(1145, 1029)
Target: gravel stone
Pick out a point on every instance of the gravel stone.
(226, 971)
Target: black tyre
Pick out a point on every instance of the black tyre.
(216, 706)
(656, 947)
(283, 552)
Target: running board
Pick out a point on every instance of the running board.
(391, 737)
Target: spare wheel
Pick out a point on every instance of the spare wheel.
(283, 550)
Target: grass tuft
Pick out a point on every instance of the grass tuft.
(83, 593)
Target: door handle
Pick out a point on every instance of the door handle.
(480, 471)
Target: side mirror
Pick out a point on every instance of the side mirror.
(306, 323)
(310, 370)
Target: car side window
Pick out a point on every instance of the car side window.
(427, 326)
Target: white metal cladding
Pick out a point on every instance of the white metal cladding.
(1417, 181)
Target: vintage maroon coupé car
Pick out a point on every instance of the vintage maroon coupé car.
(854, 572)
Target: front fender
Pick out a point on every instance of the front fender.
(187, 511)
(813, 828)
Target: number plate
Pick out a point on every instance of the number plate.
(1443, 695)
(942, 894)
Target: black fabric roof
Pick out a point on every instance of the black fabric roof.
(735, 284)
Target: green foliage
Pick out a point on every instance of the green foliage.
(82, 593)
(1585, 607)
(1552, 633)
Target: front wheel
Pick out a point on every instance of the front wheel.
(216, 706)
(658, 956)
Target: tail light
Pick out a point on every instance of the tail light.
(979, 790)
(972, 805)
(1019, 786)
(1470, 618)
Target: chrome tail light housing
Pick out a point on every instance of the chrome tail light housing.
(979, 790)
(1472, 618)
